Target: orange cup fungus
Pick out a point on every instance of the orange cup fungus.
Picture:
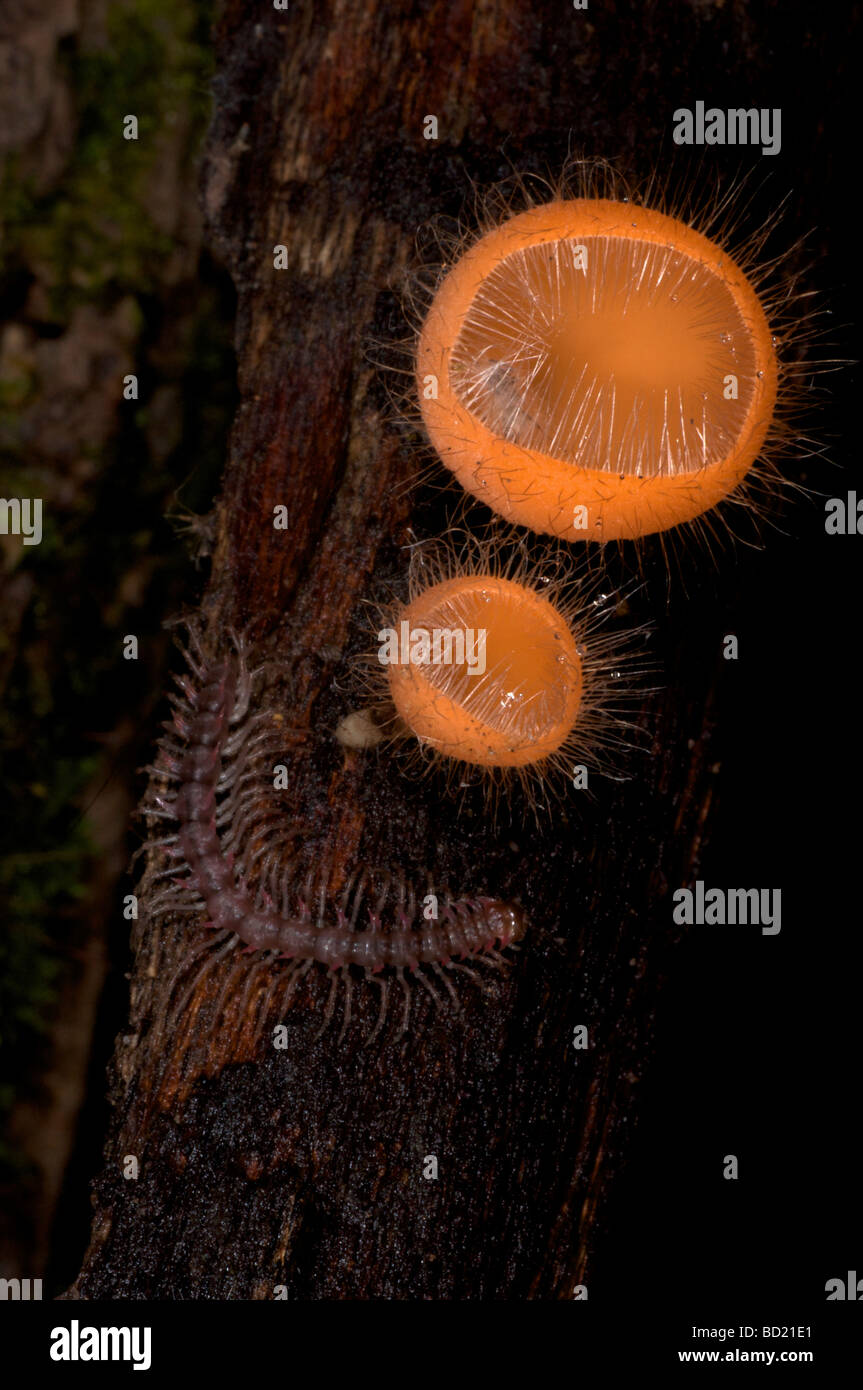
(495, 670)
(595, 370)
(513, 698)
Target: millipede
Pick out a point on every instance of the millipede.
(270, 917)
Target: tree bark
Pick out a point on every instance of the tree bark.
(304, 1169)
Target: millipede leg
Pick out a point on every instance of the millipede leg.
(426, 982)
(212, 964)
(238, 971)
(400, 976)
(447, 982)
(258, 1017)
(346, 1011)
(383, 986)
(250, 992)
(466, 970)
(359, 894)
(328, 1011)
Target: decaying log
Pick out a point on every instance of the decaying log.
(304, 1168)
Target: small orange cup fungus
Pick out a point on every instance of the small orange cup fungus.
(596, 370)
(514, 697)
(496, 670)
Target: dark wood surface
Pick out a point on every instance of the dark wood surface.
(305, 1168)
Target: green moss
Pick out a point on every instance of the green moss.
(93, 232)
(15, 391)
(38, 888)
(89, 240)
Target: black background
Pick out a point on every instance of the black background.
(758, 1037)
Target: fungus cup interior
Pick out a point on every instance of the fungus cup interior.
(596, 370)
